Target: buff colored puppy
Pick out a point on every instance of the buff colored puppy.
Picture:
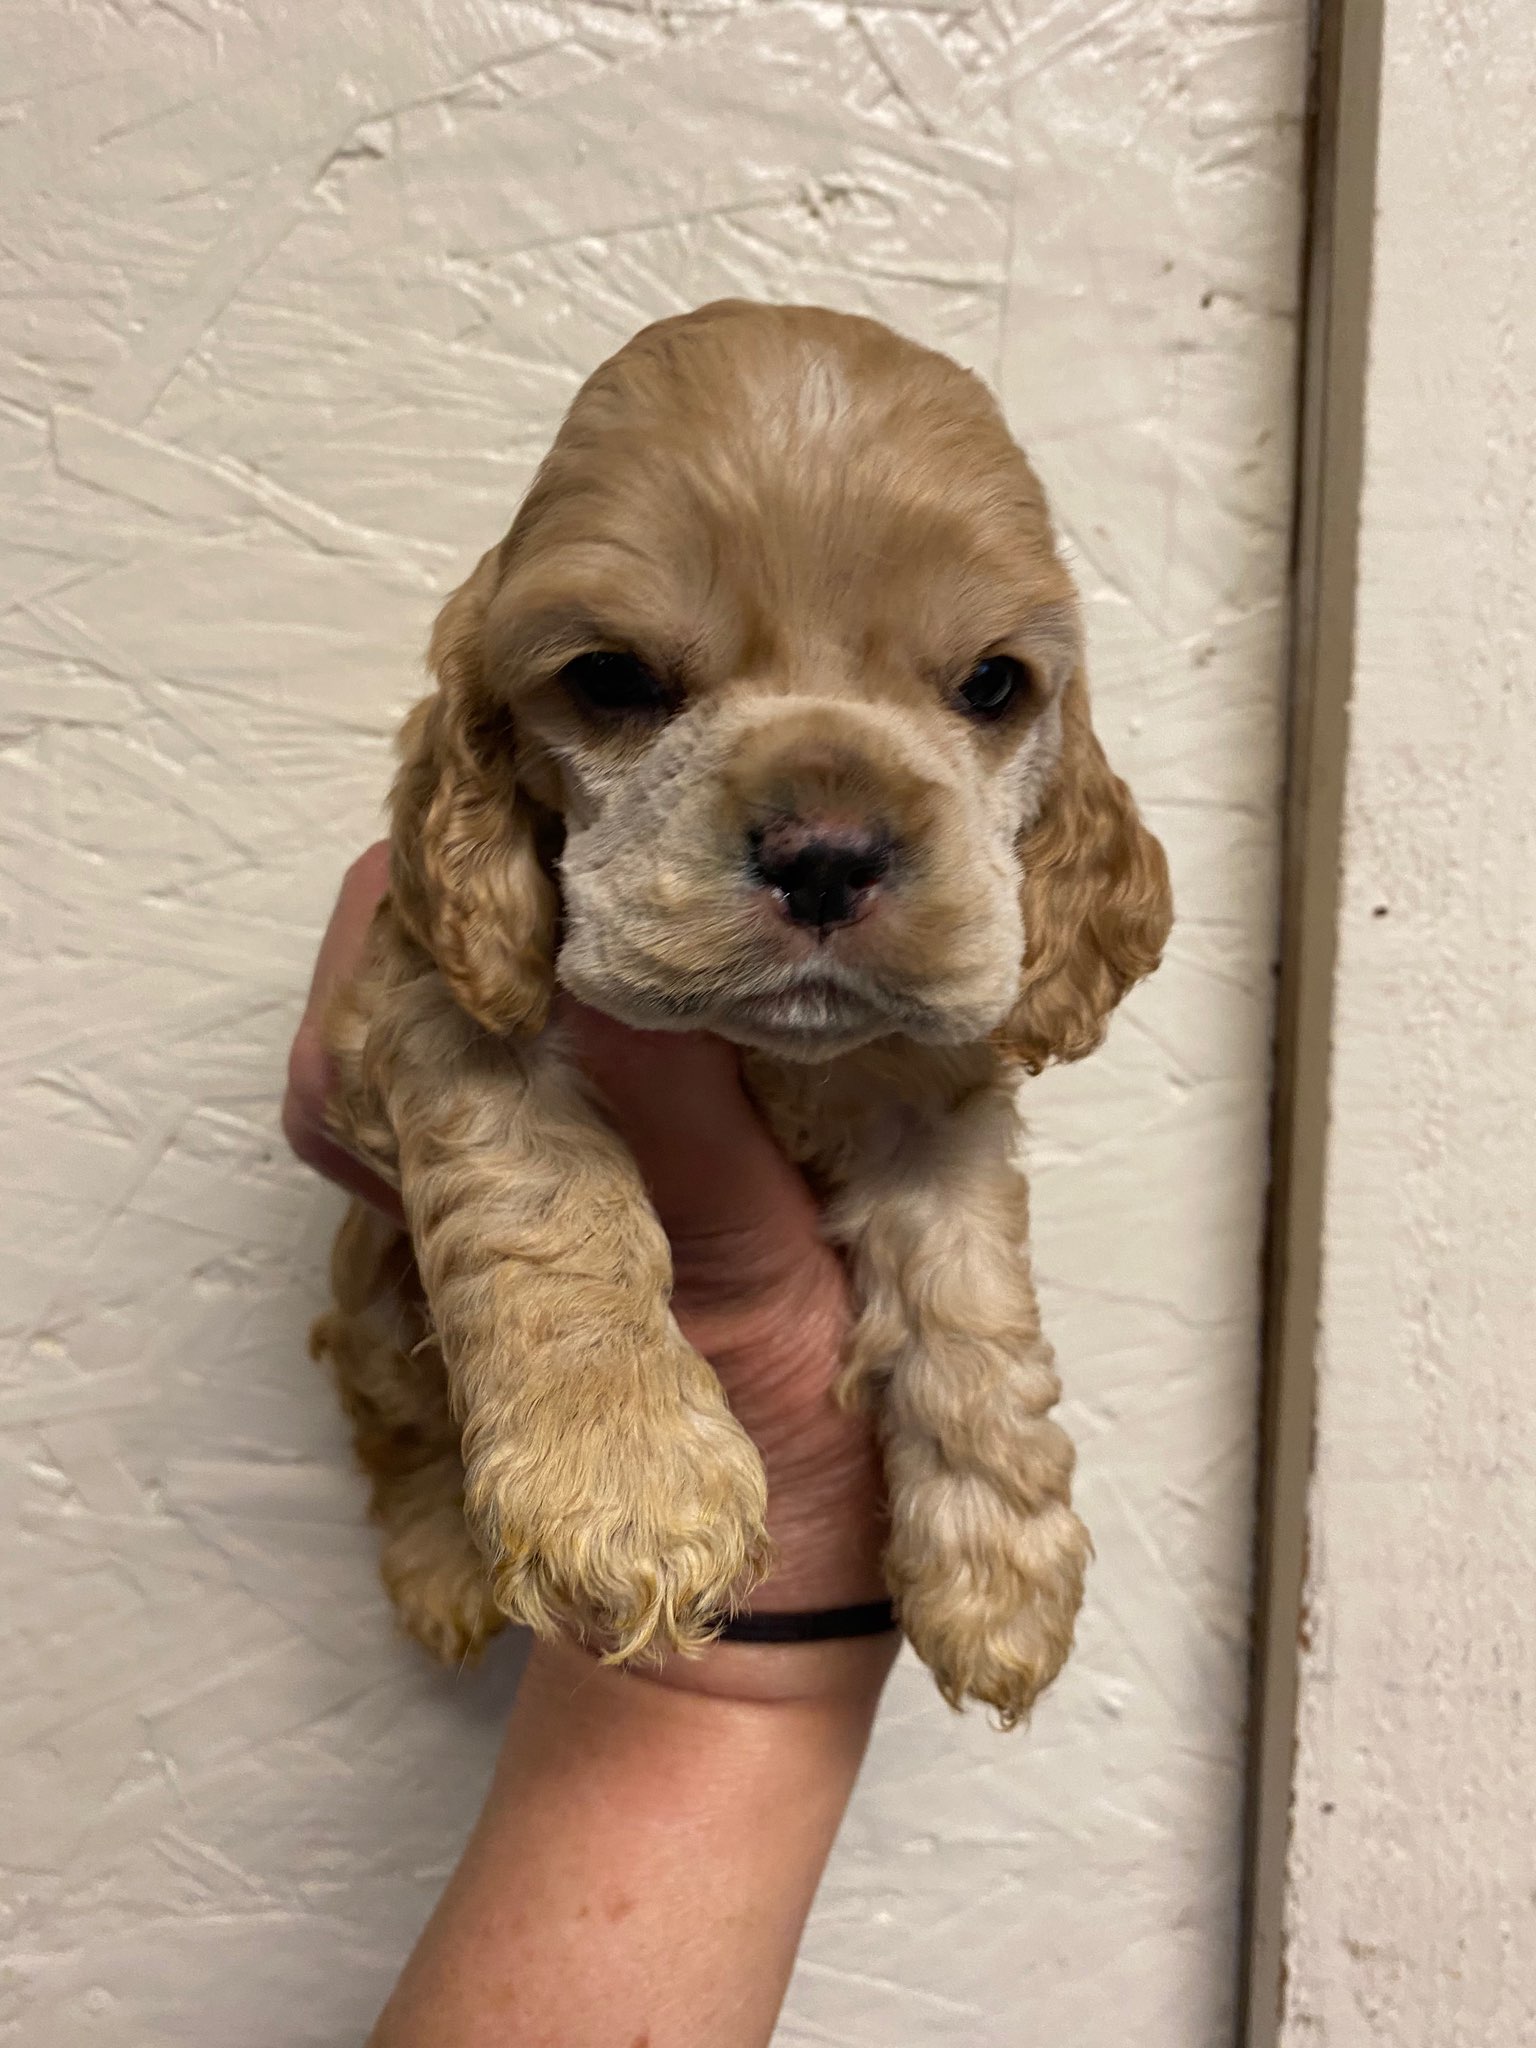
(768, 718)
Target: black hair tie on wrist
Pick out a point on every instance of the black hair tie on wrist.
(821, 1625)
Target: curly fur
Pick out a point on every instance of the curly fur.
(813, 531)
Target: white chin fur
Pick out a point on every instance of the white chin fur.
(798, 1024)
(806, 1025)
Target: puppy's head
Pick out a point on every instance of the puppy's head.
(768, 717)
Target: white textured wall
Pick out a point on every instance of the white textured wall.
(1412, 1888)
(295, 295)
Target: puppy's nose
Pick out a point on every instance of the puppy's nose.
(822, 874)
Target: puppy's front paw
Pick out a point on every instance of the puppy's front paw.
(988, 1594)
(433, 1572)
(636, 1534)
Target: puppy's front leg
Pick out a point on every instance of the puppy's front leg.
(986, 1558)
(613, 1491)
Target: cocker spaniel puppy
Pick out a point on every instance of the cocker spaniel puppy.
(768, 718)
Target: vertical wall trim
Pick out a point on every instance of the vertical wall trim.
(1337, 281)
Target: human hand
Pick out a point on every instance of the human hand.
(310, 1076)
(757, 1290)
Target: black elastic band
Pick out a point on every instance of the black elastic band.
(822, 1625)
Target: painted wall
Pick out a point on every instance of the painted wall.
(294, 296)
(1412, 1888)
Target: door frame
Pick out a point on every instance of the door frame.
(1343, 105)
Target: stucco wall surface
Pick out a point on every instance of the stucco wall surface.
(1412, 1886)
(293, 297)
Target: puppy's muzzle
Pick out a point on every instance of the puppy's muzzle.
(822, 872)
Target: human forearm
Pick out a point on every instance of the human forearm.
(647, 1855)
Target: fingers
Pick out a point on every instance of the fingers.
(309, 1068)
(304, 1127)
(740, 1217)
(363, 888)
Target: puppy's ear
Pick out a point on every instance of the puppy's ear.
(1097, 905)
(466, 873)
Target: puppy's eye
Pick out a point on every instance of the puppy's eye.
(615, 683)
(993, 685)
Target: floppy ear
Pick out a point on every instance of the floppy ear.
(1096, 901)
(466, 874)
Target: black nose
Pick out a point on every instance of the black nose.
(820, 881)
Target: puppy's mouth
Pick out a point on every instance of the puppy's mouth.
(814, 1011)
(810, 1010)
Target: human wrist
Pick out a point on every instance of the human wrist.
(843, 1678)
(779, 1362)
(778, 1354)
